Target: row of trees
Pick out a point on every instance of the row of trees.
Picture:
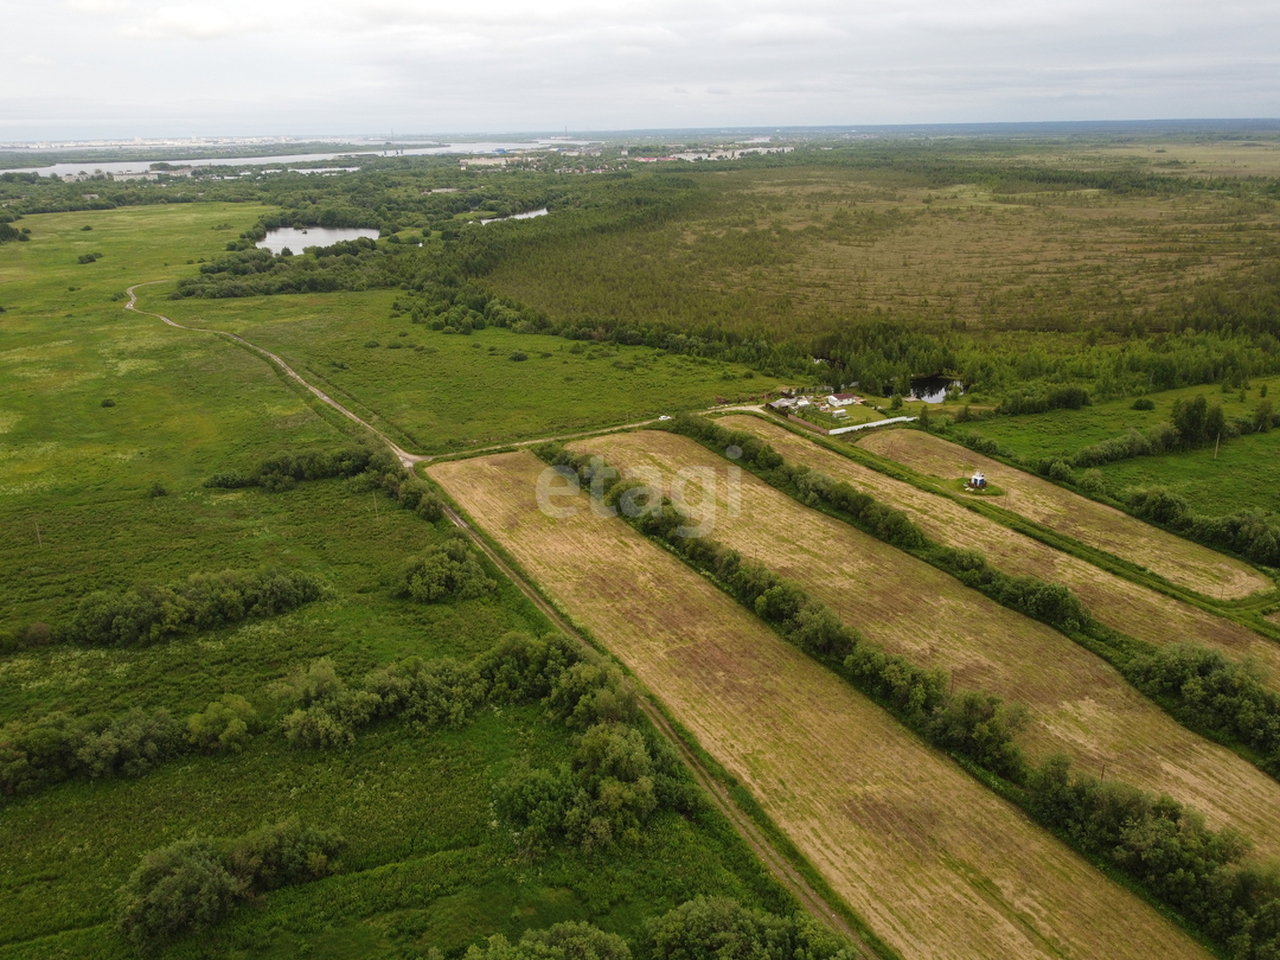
(1243, 710)
(37, 754)
(1155, 840)
(153, 613)
(708, 928)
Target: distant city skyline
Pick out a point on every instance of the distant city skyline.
(118, 69)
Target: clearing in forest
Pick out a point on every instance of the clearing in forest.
(1179, 561)
(937, 865)
(1117, 602)
(1078, 703)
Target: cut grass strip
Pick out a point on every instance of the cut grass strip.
(1122, 605)
(1179, 561)
(1079, 704)
(938, 865)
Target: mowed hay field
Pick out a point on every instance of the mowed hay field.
(939, 866)
(1178, 561)
(1119, 603)
(1078, 703)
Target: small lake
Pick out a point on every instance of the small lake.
(527, 215)
(298, 240)
(933, 389)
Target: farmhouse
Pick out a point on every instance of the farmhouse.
(843, 399)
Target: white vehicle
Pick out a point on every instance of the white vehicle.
(664, 417)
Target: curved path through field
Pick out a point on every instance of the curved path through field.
(777, 864)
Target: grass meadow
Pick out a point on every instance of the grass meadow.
(96, 496)
(1214, 482)
(444, 392)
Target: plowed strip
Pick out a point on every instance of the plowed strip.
(939, 866)
(1178, 561)
(1119, 603)
(1079, 704)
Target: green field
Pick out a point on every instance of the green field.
(1215, 482)
(443, 392)
(1021, 268)
(110, 497)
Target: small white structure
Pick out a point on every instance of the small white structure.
(843, 399)
(978, 481)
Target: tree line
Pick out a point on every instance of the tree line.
(156, 613)
(1245, 713)
(707, 928)
(1159, 843)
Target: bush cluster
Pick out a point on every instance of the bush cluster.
(153, 614)
(618, 775)
(281, 471)
(448, 571)
(195, 882)
(37, 754)
(1206, 691)
(1246, 532)
(377, 470)
(1169, 850)
(1054, 398)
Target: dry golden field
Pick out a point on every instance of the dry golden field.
(1078, 703)
(936, 864)
(1177, 560)
(1119, 603)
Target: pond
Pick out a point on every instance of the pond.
(527, 215)
(298, 239)
(934, 389)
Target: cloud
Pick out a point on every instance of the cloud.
(106, 8)
(203, 22)
(31, 60)
(718, 91)
(783, 28)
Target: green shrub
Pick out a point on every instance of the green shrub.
(449, 571)
(174, 889)
(226, 724)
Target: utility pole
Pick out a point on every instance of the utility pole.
(39, 541)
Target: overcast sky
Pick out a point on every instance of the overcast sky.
(124, 68)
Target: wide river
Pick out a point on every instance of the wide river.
(142, 166)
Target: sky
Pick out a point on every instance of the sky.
(92, 69)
